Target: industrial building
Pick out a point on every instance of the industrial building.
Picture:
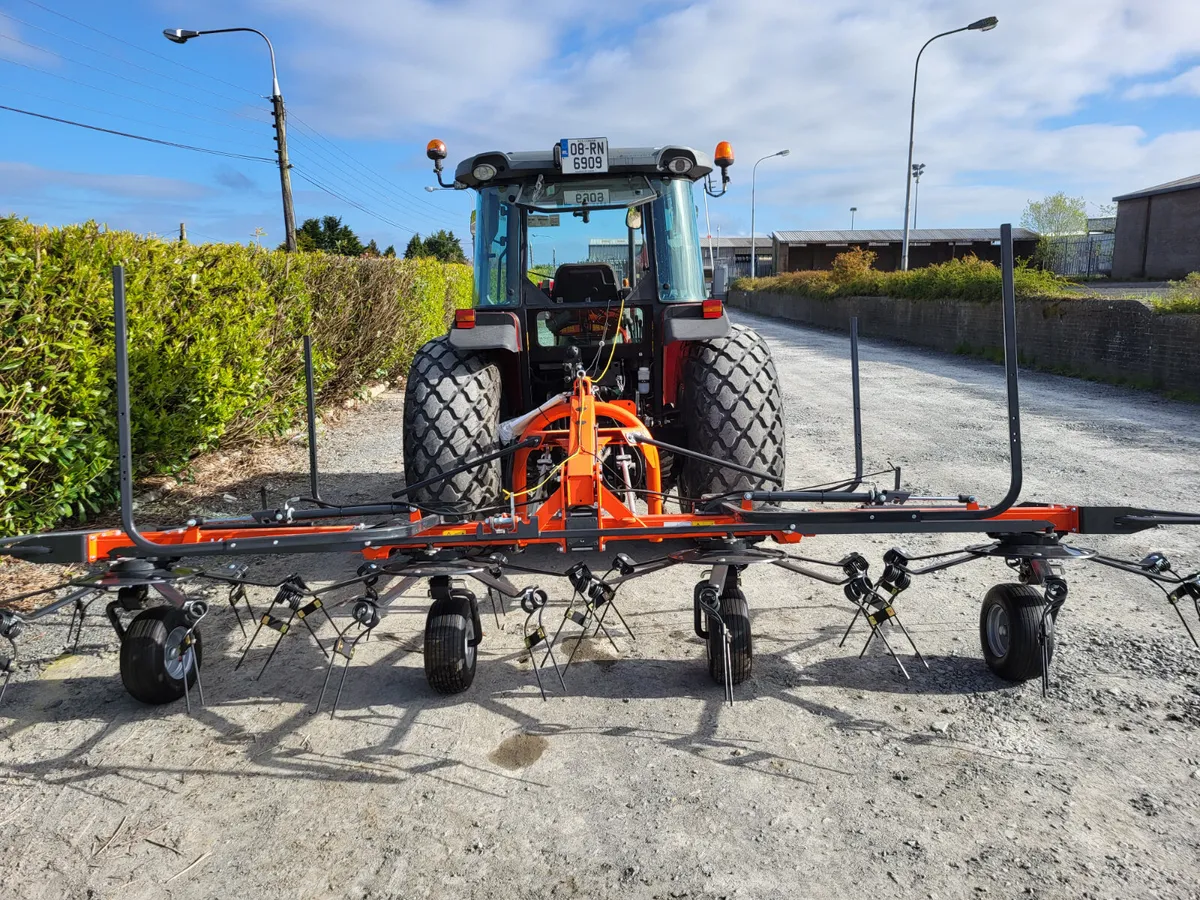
(1158, 231)
(805, 250)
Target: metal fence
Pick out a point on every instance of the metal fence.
(1081, 255)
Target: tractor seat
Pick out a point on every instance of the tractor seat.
(585, 283)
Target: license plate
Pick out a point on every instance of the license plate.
(583, 156)
(594, 197)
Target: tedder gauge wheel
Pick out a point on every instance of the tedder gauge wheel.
(732, 410)
(451, 414)
(735, 613)
(1010, 624)
(156, 655)
(451, 643)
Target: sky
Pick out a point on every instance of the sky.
(1091, 97)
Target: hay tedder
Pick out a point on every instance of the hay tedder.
(584, 407)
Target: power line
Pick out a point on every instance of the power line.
(305, 126)
(60, 102)
(139, 137)
(173, 62)
(92, 87)
(321, 187)
(133, 81)
(351, 179)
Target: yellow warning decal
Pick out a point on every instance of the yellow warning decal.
(450, 531)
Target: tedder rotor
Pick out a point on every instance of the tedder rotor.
(581, 406)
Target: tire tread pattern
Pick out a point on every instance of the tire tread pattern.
(733, 410)
(451, 413)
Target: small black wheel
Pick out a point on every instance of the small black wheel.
(450, 643)
(155, 658)
(735, 614)
(1010, 625)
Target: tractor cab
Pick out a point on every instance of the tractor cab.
(591, 254)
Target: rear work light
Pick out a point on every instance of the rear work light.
(711, 308)
(464, 318)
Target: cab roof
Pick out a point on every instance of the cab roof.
(621, 161)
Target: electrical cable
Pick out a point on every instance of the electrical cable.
(134, 81)
(322, 187)
(92, 87)
(139, 137)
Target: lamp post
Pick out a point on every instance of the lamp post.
(853, 210)
(182, 36)
(753, 174)
(917, 170)
(982, 25)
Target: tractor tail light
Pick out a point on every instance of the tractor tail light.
(712, 309)
(464, 318)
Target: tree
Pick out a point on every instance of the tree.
(372, 249)
(390, 251)
(415, 248)
(444, 245)
(1055, 215)
(330, 235)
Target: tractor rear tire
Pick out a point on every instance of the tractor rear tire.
(451, 414)
(732, 410)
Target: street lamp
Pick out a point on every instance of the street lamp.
(917, 170)
(853, 210)
(753, 174)
(182, 36)
(982, 25)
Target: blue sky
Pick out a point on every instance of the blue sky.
(1093, 97)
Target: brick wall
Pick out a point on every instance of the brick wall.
(1119, 341)
(1157, 236)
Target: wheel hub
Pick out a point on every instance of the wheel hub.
(997, 631)
(176, 660)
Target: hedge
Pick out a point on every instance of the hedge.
(215, 351)
(968, 278)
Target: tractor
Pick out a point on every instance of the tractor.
(630, 310)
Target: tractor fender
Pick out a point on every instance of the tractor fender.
(492, 330)
(693, 327)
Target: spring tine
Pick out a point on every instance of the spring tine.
(324, 686)
(886, 643)
(1187, 627)
(911, 642)
(314, 634)
(870, 637)
(253, 638)
(4, 687)
(492, 593)
(341, 684)
(842, 642)
(624, 624)
(196, 667)
(728, 665)
(278, 640)
(236, 592)
(600, 627)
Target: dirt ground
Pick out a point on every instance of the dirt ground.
(829, 777)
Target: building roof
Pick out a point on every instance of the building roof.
(896, 235)
(1180, 184)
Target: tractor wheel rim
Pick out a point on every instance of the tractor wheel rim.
(997, 631)
(176, 660)
(469, 642)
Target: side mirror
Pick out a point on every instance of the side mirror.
(633, 218)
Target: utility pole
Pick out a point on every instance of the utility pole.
(183, 232)
(853, 210)
(285, 176)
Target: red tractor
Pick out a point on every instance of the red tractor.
(629, 309)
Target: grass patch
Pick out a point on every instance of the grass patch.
(853, 275)
(1182, 296)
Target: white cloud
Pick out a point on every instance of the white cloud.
(1185, 84)
(22, 181)
(829, 79)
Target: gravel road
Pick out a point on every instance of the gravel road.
(830, 777)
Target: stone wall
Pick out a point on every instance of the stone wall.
(1120, 341)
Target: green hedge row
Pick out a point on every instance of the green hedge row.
(215, 350)
(968, 278)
